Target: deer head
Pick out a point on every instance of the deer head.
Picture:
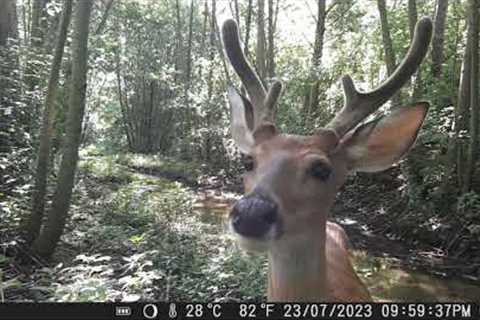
(293, 179)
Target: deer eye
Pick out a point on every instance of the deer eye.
(248, 163)
(320, 170)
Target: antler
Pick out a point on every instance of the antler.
(263, 104)
(359, 105)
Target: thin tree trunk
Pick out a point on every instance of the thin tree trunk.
(450, 160)
(271, 45)
(413, 164)
(37, 37)
(474, 108)
(211, 49)
(179, 66)
(105, 15)
(260, 49)
(189, 66)
(9, 79)
(47, 129)
(313, 90)
(8, 21)
(204, 34)
(37, 25)
(389, 54)
(46, 242)
(248, 24)
(438, 37)
(237, 12)
(417, 87)
(462, 113)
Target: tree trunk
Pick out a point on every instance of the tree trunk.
(311, 100)
(389, 54)
(417, 87)
(8, 21)
(237, 13)
(438, 37)
(473, 136)
(46, 242)
(462, 117)
(105, 15)
(179, 61)
(248, 24)
(271, 44)
(9, 80)
(211, 51)
(188, 70)
(47, 130)
(260, 50)
(38, 26)
(37, 36)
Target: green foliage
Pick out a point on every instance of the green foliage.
(142, 239)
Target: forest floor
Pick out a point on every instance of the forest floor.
(153, 228)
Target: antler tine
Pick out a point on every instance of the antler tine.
(359, 105)
(249, 78)
(271, 100)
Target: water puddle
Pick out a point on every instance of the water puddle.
(387, 281)
(385, 278)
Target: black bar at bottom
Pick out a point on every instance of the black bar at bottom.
(260, 311)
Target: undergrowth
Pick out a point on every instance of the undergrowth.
(134, 236)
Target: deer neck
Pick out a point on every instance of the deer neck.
(297, 270)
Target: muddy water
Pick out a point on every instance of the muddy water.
(385, 278)
(388, 281)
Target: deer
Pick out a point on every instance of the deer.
(291, 181)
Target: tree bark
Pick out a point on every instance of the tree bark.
(47, 129)
(46, 242)
(260, 49)
(37, 27)
(8, 21)
(417, 86)
(462, 113)
(37, 36)
(389, 54)
(105, 15)
(179, 61)
(211, 48)
(188, 70)
(473, 136)
(9, 80)
(271, 44)
(311, 100)
(438, 37)
(248, 23)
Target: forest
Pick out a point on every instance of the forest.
(118, 169)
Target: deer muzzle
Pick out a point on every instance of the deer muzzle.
(254, 215)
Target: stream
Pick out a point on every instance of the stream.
(388, 278)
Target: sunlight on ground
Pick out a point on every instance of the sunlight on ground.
(393, 283)
(385, 280)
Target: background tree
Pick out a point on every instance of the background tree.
(261, 45)
(50, 235)
(47, 129)
(311, 99)
(389, 54)
(473, 96)
(438, 37)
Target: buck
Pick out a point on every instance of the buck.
(293, 180)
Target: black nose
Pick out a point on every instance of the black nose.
(253, 215)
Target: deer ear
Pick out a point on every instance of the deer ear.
(376, 145)
(241, 120)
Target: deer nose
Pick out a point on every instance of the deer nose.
(253, 216)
